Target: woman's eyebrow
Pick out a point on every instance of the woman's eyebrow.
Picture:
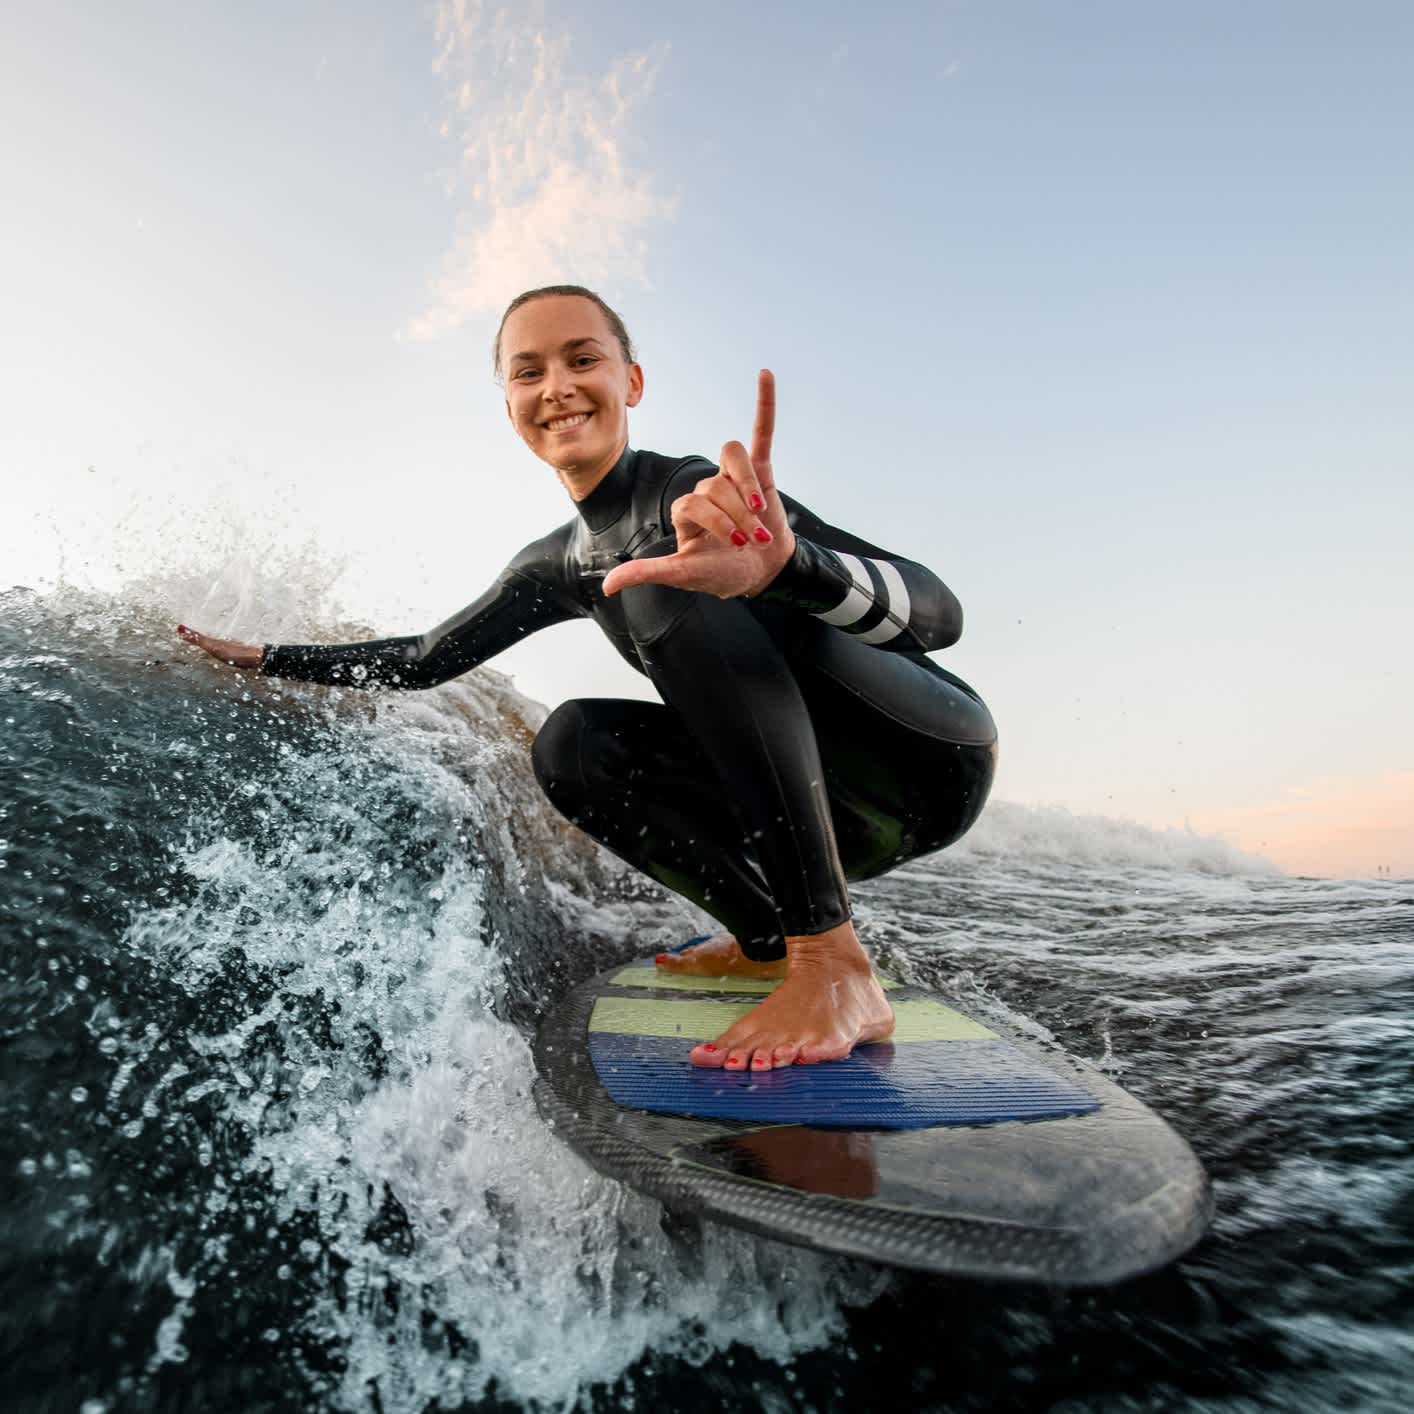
(564, 348)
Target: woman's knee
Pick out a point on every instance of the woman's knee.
(557, 753)
(590, 749)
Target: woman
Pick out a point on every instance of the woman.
(803, 739)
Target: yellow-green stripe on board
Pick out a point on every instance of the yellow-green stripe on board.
(915, 1019)
(685, 982)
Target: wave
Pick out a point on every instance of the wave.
(283, 946)
(273, 957)
(1054, 834)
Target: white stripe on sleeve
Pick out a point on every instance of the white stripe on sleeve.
(860, 598)
(898, 605)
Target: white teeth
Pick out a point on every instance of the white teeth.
(560, 424)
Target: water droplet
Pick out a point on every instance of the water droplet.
(78, 1094)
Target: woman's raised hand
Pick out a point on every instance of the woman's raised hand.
(228, 650)
(732, 533)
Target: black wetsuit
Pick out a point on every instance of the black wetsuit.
(806, 738)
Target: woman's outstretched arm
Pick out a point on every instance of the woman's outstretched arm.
(517, 604)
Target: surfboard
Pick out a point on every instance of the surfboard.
(956, 1147)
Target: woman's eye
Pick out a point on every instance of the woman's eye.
(525, 373)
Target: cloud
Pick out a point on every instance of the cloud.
(542, 166)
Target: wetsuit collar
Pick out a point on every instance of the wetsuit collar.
(610, 498)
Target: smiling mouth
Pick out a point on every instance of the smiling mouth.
(564, 424)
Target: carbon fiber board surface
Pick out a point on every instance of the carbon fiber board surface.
(1094, 1193)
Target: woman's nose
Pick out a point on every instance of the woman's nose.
(559, 382)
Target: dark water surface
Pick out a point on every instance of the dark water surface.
(269, 960)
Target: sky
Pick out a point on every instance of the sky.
(1103, 311)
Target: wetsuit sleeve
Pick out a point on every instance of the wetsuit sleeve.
(880, 598)
(519, 603)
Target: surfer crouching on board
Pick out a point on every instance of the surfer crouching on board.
(803, 739)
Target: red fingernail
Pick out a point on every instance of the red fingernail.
(662, 957)
(756, 501)
(182, 628)
(763, 535)
(738, 538)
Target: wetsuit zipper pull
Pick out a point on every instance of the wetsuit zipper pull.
(637, 541)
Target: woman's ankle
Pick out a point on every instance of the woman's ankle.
(838, 946)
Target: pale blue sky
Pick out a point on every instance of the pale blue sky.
(1104, 311)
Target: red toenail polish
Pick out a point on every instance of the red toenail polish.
(662, 957)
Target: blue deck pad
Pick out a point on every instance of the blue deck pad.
(881, 1086)
(678, 947)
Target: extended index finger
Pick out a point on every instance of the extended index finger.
(765, 428)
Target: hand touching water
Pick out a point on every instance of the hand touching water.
(228, 650)
(731, 528)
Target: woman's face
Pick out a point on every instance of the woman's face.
(568, 387)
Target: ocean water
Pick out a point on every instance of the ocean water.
(270, 957)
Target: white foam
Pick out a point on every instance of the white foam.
(1051, 832)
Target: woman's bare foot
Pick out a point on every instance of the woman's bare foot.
(829, 1003)
(719, 956)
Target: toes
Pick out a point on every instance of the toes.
(736, 1060)
(774, 1057)
(694, 958)
(708, 1056)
